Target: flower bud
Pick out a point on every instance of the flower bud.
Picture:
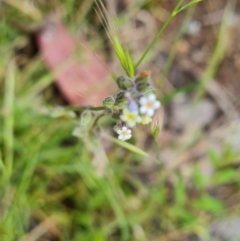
(85, 117)
(143, 87)
(143, 77)
(121, 100)
(124, 83)
(108, 102)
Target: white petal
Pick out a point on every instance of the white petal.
(119, 132)
(156, 104)
(124, 128)
(128, 137)
(123, 138)
(143, 100)
(146, 120)
(139, 119)
(122, 117)
(120, 137)
(152, 97)
(150, 112)
(129, 131)
(134, 113)
(143, 109)
(131, 123)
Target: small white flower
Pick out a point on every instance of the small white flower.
(131, 118)
(149, 104)
(124, 133)
(146, 119)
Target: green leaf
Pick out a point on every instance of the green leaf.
(179, 191)
(214, 157)
(127, 145)
(199, 179)
(156, 132)
(130, 65)
(184, 216)
(225, 176)
(228, 153)
(119, 51)
(123, 57)
(209, 203)
(160, 193)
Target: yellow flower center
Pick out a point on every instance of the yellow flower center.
(124, 133)
(149, 104)
(130, 116)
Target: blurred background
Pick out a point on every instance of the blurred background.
(183, 186)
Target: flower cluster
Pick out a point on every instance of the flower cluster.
(138, 104)
(134, 103)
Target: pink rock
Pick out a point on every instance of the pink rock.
(80, 76)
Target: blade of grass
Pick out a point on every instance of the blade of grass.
(185, 89)
(130, 65)
(121, 219)
(124, 58)
(8, 117)
(122, 55)
(176, 10)
(168, 20)
(188, 5)
(43, 83)
(126, 145)
(85, 7)
(28, 8)
(173, 50)
(2, 166)
(219, 51)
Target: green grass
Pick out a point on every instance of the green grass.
(47, 175)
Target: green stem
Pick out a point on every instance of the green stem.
(8, 118)
(82, 108)
(218, 53)
(2, 166)
(97, 119)
(170, 17)
(168, 64)
(188, 5)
